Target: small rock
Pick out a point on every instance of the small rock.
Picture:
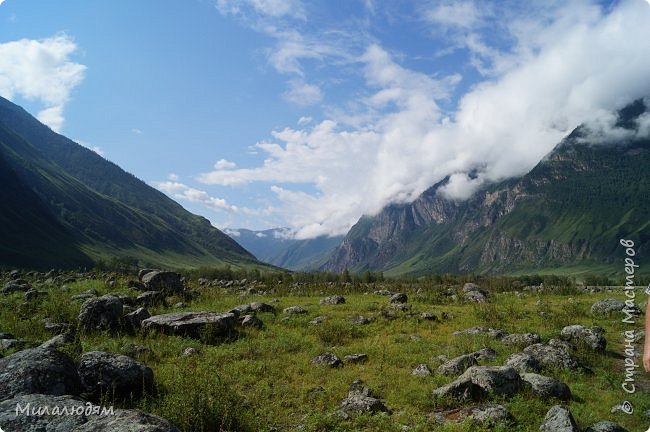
(427, 316)
(318, 320)
(523, 362)
(398, 298)
(558, 419)
(359, 320)
(151, 298)
(421, 370)
(333, 300)
(262, 307)
(475, 293)
(355, 358)
(360, 401)
(327, 359)
(189, 351)
(294, 310)
(457, 365)
(496, 333)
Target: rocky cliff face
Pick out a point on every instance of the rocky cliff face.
(570, 209)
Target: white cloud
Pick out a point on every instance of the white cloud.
(232, 232)
(183, 192)
(304, 120)
(260, 235)
(461, 14)
(1, 1)
(41, 70)
(94, 148)
(224, 164)
(302, 94)
(269, 8)
(136, 131)
(576, 63)
(173, 177)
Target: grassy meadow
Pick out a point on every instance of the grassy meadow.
(264, 380)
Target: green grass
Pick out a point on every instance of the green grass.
(264, 378)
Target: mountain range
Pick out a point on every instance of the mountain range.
(277, 247)
(65, 206)
(566, 215)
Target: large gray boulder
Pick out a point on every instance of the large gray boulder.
(398, 298)
(151, 298)
(54, 417)
(360, 400)
(479, 381)
(546, 387)
(475, 293)
(115, 375)
(208, 326)
(608, 307)
(549, 357)
(591, 338)
(103, 313)
(38, 370)
(523, 362)
(165, 281)
(457, 365)
(134, 319)
(558, 419)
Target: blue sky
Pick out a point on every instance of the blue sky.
(265, 113)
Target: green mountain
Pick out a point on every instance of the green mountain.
(66, 206)
(565, 215)
(276, 247)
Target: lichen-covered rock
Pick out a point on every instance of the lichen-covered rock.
(546, 387)
(333, 300)
(38, 370)
(262, 307)
(457, 365)
(612, 306)
(104, 373)
(355, 358)
(294, 310)
(486, 414)
(479, 381)
(523, 362)
(151, 298)
(421, 370)
(208, 326)
(360, 320)
(558, 419)
(165, 281)
(521, 339)
(549, 357)
(475, 293)
(398, 298)
(103, 313)
(579, 335)
(252, 321)
(133, 320)
(496, 333)
(360, 401)
(327, 359)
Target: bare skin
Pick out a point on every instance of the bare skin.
(646, 345)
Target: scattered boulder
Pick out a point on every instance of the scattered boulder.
(327, 359)
(485, 354)
(475, 293)
(15, 286)
(360, 320)
(103, 313)
(457, 365)
(189, 351)
(318, 320)
(333, 300)
(523, 362)
(294, 310)
(52, 420)
(151, 298)
(582, 336)
(38, 370)
(521, 339)
(104, 373)
(359, 401)
(546, 387)
(558, 419)
(605, 426)
(136, 285)
(398, 298)
(209, 326)
(355, 358)
(610, 306)
(252, 321)
(479, 381)
(421, 370)
(165, 281)
(428, 316)
(241, 310)
(134, 319)
(262, 307)
(549, 357)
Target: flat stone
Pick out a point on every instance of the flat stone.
(546, 387)
(211, 326)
